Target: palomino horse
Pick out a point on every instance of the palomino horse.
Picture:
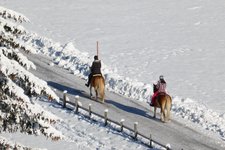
(98, 82)
(164, 102)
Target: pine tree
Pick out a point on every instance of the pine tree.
(17, 84)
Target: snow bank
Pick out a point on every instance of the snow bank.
(7, 144)
(68, 57)
(200, 114)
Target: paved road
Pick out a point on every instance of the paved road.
(176, 134)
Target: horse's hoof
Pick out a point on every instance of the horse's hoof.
(164, 121)
(167, 121)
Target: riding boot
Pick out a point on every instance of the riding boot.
(89, 80)
(88, 83)
(151, 104)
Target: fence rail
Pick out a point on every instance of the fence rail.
(106, 119)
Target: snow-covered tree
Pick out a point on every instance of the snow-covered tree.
(18, 85)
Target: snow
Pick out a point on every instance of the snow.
(12, 67)
(80, 132)
(12, 25)
(7, 13)
(24, 61)
(186, 108)
(156, 35)
(18, 146)
(183, 41)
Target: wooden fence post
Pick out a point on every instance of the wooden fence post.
(150, 139)
(106, 116)
(121, 125)
(89, 108)
(135, 130)
(64, 99)
(76, 102)
(168, 147)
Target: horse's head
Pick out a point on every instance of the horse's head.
(154, 88)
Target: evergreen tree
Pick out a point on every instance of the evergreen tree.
(18, 85)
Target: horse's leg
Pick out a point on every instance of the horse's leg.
(96, 93)
(102, 95)
(102, 92)
(168, 107)
(168, 114)
(90, 91)
(162, 115)
(155, 112)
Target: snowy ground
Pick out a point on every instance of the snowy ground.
(141, 40)
(184, 40)
(80, 132)
(188, 134)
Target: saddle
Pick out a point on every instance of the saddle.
(97, 75)
(162, 93)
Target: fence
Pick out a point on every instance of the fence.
(106, 120)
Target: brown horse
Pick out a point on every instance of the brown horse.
(164, 102)
(98, 82)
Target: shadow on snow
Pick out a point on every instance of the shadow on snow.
(69, 90)
(129, 109)
(82, 93)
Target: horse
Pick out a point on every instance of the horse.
(164, 102)
(98, 82)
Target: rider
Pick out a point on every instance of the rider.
(95, 69)
(161, 88)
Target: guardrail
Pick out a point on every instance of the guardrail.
(106, 120)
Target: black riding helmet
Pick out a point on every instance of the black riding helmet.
(95, 57)
(161, 77)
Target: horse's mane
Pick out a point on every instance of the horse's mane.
(154, 88)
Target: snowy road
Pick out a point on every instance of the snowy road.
(178, 135)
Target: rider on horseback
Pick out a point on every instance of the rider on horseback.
(95, 69)
(160, 88)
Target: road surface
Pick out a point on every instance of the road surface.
(178, 135)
